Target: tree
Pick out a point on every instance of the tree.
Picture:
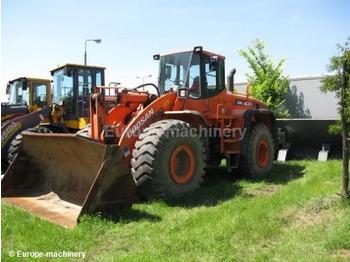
(266, 81)
(339, 82)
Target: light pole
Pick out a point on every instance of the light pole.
(98, 41)
(143, 79)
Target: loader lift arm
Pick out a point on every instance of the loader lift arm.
(11, 128)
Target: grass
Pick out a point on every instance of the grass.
(293, 214)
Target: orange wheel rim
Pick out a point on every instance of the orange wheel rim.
(262, 153)
(182, 164)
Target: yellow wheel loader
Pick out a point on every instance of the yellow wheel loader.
(26, 95)
(62, 108)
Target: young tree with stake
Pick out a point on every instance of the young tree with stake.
(339, 82)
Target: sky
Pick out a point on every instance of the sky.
(38, 35)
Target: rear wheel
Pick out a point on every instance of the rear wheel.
(16, 142)
(260, 152)
(168, 160)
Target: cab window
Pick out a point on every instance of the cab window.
(214, 76)
(210, 77)
(84, 83)
(39, 94)
(63, 91)
(84, 90)
(221, 75)
(194, 78)
(98, 78)
(18, 94)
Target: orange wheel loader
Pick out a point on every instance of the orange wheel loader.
(155, 143)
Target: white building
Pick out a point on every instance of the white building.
(305, 99)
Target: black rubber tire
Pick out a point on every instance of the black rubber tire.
(248, 164)
(4, 165)
(150, 161)
(16, 142)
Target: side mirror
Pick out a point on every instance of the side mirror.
(182, 92)
(24, 85)
(156, 57)
(213, 61)
(198, 49)
(8, 87)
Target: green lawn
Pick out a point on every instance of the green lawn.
(291, 214)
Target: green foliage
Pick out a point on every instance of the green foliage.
(335, 129)
(291, 214)
(333, 82)
(266, 81)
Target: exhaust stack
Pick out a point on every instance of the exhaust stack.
(230, 80)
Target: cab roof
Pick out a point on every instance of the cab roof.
(29, 79)
(77, 66)
(208, 53)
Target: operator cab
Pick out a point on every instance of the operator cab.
(18, 91)
(196, 73)
(28, 91)
(72, 86)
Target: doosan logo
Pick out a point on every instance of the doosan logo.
(243, 103)
(133, 130)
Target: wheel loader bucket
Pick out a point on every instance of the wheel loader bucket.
(60, 177)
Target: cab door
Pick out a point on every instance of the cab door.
(86, 79)
(197, 98)
(40, 94)
(84, 88)
(214, 77)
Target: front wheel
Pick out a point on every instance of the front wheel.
(168, 160)
(259, 155)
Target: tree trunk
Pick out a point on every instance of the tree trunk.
(345, 133)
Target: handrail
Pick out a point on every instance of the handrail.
(217, 110)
